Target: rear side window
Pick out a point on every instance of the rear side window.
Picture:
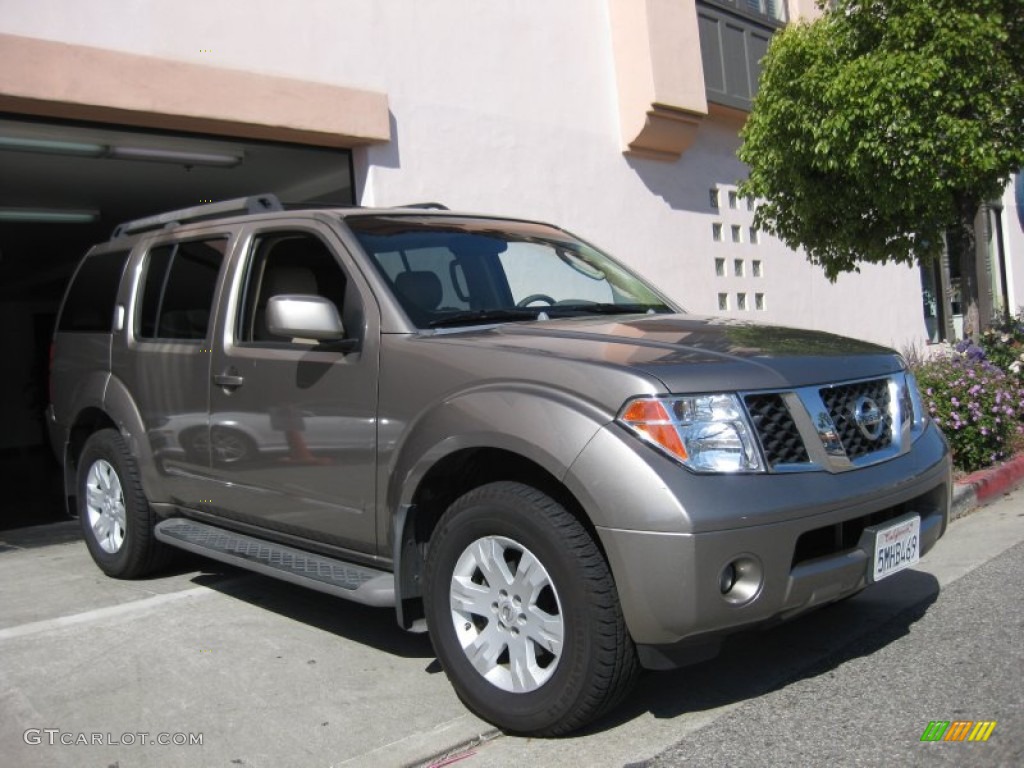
(178, 288)
(89, 306)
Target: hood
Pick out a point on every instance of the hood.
(689, 353)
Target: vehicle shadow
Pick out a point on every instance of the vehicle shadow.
(373, 627)
(751, 663)
(756, 662)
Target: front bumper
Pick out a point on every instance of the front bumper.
(803, 535)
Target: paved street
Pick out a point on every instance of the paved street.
(959, 658)
(272, 675)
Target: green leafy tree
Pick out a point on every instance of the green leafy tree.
(881, 128)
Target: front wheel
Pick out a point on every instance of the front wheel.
(523, 612)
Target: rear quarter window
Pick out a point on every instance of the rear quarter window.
(89, 305)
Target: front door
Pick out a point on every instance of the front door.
(293, 426)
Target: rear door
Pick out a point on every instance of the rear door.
(165, 360)
(293, 424)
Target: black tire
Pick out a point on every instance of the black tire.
(570, 684)
(115, 515)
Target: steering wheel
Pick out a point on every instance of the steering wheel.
(525, 302)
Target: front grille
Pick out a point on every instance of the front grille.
(841, 402)
(840, 537)
(776, 430)
(845, 535)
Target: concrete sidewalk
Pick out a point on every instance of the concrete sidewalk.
(273, 675)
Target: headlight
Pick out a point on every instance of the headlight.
(706, 433)
(919, 413)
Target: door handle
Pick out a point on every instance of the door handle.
(229, 379)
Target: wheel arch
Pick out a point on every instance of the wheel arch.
(513, 431)
(115, 409)
(87, 421)
(452, 476)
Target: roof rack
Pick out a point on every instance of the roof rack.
(247, 205)
(427, 206)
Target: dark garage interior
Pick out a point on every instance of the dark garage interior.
(65, 186)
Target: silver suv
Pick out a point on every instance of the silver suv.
(487, 425)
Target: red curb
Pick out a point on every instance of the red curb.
(989, 483)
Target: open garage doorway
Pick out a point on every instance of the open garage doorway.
(65, 186)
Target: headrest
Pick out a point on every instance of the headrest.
(291, 280)
(422, 289)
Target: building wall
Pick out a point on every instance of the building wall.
(508, 108)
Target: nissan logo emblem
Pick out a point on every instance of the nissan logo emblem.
(869, 418)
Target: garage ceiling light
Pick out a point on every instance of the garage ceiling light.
(149, 154)
(174, 156)
(48, 216)
(46, 146)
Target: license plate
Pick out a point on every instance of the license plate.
(897, 546)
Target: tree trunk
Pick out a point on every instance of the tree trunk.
(961, 242)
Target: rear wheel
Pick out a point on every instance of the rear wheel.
(115, 515)
(523, 612)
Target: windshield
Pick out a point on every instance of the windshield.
(449, 271)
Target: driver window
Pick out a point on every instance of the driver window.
(292, 263)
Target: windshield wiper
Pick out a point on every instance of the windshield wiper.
(472, 316)
(611, 309)
(511, 314)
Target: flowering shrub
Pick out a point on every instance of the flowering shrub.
(1004, 346)
(978, 406)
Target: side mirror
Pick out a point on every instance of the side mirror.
(299, 316)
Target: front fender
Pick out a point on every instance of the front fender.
(550, 428)
(545, 426)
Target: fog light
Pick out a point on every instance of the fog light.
(742, 580)
(727, 578)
